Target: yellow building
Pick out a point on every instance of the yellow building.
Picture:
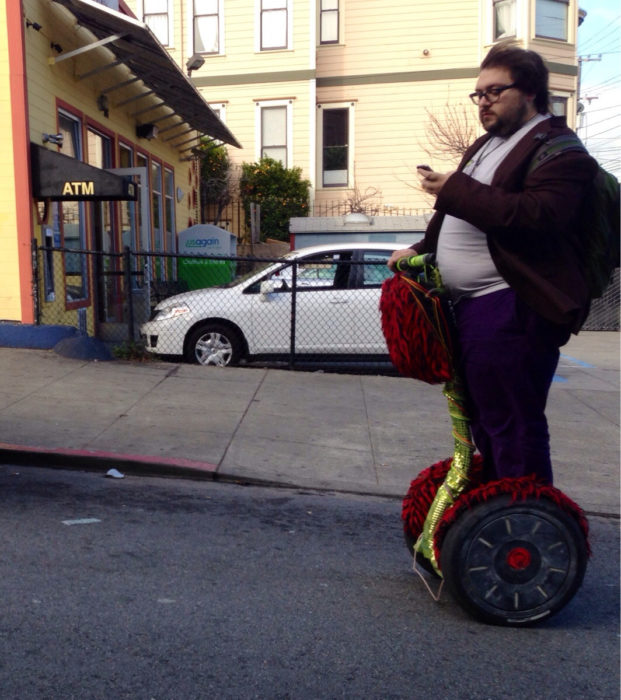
(97, 156)
(347, 89)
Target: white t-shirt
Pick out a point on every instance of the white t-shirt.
(463, 256)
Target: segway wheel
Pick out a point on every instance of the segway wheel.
(514, 563)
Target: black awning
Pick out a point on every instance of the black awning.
(61, 178)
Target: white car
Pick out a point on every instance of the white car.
(335, 310)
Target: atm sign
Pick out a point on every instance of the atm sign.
(79, 188)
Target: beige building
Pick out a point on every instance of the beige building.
(345, 89)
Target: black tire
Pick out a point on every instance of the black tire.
(514, 563)
(214, 344)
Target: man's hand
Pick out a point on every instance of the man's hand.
(397, 255)
(431, 181)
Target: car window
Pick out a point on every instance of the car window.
(374, 270)
(324, 271)
(317, 272)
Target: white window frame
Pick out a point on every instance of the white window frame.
(259, 106)
(351, 107)
(171, 29)
(258, 8)
(190, 15)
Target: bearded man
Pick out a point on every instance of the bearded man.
(508, 250)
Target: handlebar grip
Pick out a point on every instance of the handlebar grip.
(415, 262)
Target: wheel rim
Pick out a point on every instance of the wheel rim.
(518, 563)
(213, 349)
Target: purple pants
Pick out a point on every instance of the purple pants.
(508, 355)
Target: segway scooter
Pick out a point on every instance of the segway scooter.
(511, 551)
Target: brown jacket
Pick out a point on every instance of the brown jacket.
(529, 222)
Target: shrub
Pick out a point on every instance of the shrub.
(281, 192)
(215, 176)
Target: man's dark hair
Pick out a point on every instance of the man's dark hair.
(528, 71)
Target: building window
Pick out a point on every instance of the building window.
(558, 105)
(505, 24)
(144, 227)
(155, 16)
(99, 154)
(274, 133)
(335, 147)
(219, 109)
(129, 228)
(156, 202)
(551, 19)
(274, 24)
(169, 210)
(207, 26)
(329, 22)
(70, 216)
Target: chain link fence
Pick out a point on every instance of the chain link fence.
(232, 309)
(604, 313)
(323, 309)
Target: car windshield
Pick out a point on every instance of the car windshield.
(240, 279)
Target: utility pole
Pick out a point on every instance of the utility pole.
(580, 104)
(581, 60)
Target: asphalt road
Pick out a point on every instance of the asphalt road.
(173, 590)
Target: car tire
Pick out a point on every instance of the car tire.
(214, 344)
(514, 563)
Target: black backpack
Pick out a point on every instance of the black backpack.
(599, 215)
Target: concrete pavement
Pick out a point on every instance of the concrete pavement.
(356, 433)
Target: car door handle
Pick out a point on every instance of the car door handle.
(339, 301)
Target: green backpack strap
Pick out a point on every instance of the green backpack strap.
(553, 148)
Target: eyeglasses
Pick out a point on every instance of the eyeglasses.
(491, 94)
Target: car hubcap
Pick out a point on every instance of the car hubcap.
(213, 349)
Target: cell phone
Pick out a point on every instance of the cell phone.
(423, 167)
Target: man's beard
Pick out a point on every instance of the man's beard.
(508, 124)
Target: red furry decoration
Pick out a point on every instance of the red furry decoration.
(519, 489)
(423, 489)
(414, 321)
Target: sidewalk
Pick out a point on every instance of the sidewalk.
(355, 433)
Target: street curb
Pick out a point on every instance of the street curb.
(98, 459)
(149, 465)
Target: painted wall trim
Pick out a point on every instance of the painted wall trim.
(19, 113)
(363, 79)
(286, 76)
(401, 77)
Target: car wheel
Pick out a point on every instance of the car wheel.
(514, 562)
(214, 344)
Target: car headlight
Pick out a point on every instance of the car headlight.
(170, 312)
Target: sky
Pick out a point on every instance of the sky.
(599, 127)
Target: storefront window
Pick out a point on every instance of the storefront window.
(72, 215)
(143, 228)
(129, 235)
(169, 220)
